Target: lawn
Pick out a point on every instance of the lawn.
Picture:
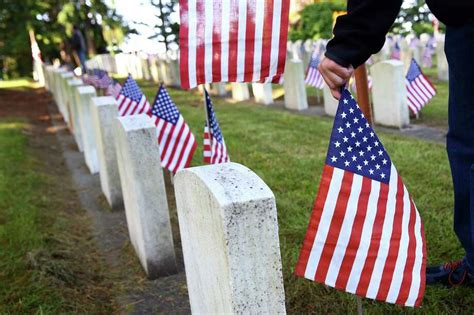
(48, 263)
(288, 151)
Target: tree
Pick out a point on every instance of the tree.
(166, 30)
(414, 17)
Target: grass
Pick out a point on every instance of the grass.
(48, 262)
(287, 151)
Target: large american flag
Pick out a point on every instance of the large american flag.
(232, 41)
(215, 150)
(131, 99)
(419, 88)
(365, 234)
(176, 141)
(313, 76)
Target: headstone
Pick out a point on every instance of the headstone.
(219, 89)
(240, 92)
(295, 89)
(229, 234)
(442, 62)
(64, 77)
(262, 93)
(389, 94)
(144, 194)
(330, 103)
(154, 69)
(71, 92)
(56, 85)
(406, 54)
(104, 113)
(85, 95)
(308, 51)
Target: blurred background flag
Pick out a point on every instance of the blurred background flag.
(216, 151)
(420, 90)
(365, 234)
(232, 41)
(176, 141)
(113, 89)
(313, 76)
(131, 99)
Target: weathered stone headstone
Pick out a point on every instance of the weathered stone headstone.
(442, 62)
(104, 113)
(389, 94)
(262, 93)
(56, 85)
(144, 194)
(229, 234)
(406, 54)
(219, 89)
(240, 91)
(293, 84)
(71, 92)
(85, 94)
(330, 103)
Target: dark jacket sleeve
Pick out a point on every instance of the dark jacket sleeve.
(361, 32)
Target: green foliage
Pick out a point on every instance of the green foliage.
(414, 18)
(316, 21)
(166, 30)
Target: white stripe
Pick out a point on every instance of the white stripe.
(215, 153)
(169, 151)
(398, 272)
(192, 26)
(225, 20)
(125, 104)
(416, 280)
(426, 87)
(345, 233)
(208, 25)
(132, 105)
(365, 237)
(419, 92)
(179, 147)
(323, 228)
(257, 55)
(411, 104)
(386, 235)
(187, 151)
(241, 40)
(141, 105)
(166, 135)
(277, 7)
(416, 102)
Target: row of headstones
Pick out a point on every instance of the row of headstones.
(227, 214)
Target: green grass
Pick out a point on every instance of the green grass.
(43, 264)
(287, 151)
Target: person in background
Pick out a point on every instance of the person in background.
(361, 33)
(78, 45)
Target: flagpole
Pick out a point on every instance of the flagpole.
(362, 87)
(203, 87)
(360, 309)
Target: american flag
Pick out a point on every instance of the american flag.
(396, 51)
(419, 88)
(113, 89)
(354, 85)
(428, 52)
(104, 81)
(215, 150)
(177, 143)
(232, 41)
(313, 76)
(131, 99)
(365, 234)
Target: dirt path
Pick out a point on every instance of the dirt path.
(52, 143)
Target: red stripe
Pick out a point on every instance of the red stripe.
(267, 39)
(407, 273)
(181, 153)
(335, 227)
(183, 43)
(366, 273)
(392, 256)
(283, 35)
(190, 155)
(216, 42)
(326, 178)
(249, 40)
(168, 139)
(233, 40)
(200, 42)
(175, 145)
(134, 110)
(423, 267)
(354, 240)
(162, 130)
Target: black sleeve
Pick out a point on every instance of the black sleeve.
(361, 32)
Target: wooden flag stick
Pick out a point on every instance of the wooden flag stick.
(360, 309)
(362, 86)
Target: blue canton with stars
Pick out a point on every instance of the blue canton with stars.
(354, 146)
(164, 108)
(131, 90)
(414, 71)
(211, 116)
(314, 63)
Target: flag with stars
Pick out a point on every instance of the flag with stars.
(365, 234)
(175, 139)
(215, 150)
(131, 100)
(420, 90)
(313, 76)
(104, 81)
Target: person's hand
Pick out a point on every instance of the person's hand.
(335, 75)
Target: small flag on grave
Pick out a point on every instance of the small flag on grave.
(420, 90)
(215, 150)
(396, 51)
(113, 89)
(313, 76)
(176, 141)
(365, 234)
(232, 41)
(104, 81)
(131, 99)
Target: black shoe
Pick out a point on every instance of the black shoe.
(452, 274)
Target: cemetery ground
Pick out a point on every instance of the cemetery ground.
(51, 261)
